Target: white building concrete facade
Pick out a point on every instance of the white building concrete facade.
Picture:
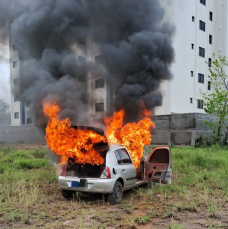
(199, 24)
(201, 29)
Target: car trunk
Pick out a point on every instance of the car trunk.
(88, 170)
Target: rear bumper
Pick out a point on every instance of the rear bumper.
(93, 185)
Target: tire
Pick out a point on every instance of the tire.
(116, 196)
(67, 194)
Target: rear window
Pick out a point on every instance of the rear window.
(122, 156)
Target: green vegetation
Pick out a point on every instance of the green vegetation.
(175, 226)
(215, 100)
(20, 183)
(30, 197)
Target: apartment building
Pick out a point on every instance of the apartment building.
(92, 84)
(201, 30)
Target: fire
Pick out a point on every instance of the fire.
(64, 140)
(78, 144)
(134, 136)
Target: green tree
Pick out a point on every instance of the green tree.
(4, 113)
(215, 101)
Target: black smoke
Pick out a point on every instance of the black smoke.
(135, 46)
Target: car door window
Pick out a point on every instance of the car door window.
(124, 156)
(118, 157)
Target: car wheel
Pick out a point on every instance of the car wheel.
(117, 194)
(67, 194)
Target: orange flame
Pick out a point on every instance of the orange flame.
(78, 144)
(64, 140)
(134, 136)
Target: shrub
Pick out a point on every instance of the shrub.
(39, 153)
(12, 156)
(2, 168)
(31, 163)
(205, 161)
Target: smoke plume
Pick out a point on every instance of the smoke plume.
(134, 42)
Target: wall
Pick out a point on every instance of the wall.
(180, 129)
(21, 134)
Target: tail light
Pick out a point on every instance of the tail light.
(106, 173)
(63, 171)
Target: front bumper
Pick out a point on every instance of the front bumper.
(93, 185)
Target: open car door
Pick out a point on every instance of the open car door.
(159, 165)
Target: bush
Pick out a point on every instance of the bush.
(39, 153)
(2, 168)
(31, 163)
(5, 148)
(205, 161)
(12, 156)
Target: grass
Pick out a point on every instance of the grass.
(20, 182)
(30, 197)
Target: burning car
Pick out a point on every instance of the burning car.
(108, 163)
(117, 174)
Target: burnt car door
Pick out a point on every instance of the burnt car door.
(159, 165)
(126, 167)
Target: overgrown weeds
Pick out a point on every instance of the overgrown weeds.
(29, 193)
(19, 184)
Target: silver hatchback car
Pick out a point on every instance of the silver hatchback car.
(117, 174)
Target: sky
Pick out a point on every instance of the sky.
(4, 73)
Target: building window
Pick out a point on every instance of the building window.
(203, 2)
(193, 19)
(15, 64)
(81, 59)
(201, 52)
(211, 16)
(99, 83)
(200, 104)
(210, 39)
(201, 78)
(209, 86)
(97, 60)
(190, 100)
(202, 25)
(192, 45)
(29, 121)
(16, 98)
(16, 115)
(99, 107)
(14, 47)
(15, 81)
(209, 62)
(192, 73)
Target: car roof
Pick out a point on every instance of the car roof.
(114, 147)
